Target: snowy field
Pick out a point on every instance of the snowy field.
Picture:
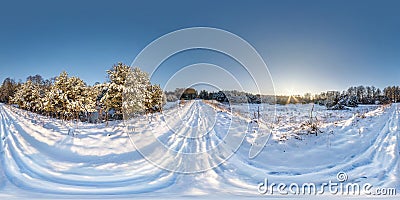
(198, 150)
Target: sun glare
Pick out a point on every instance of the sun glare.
(291, 93)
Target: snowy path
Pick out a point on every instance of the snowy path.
(193, 139)
(36, 166)
(37, 156)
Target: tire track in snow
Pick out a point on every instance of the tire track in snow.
(25, 173)
(3, 177)
(379, 160)
(193, 138)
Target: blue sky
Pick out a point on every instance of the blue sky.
(309, 46)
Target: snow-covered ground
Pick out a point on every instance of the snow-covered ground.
(197, 151)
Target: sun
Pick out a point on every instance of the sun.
(291, 93)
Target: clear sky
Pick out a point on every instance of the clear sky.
(309, 46)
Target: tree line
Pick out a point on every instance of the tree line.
(354, 96)
(351, 97)
(179, 93)
(69, 97)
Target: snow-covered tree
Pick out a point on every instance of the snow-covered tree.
(49, 103)
(36, 79)
(136, 93)
(76, 96)
(28, 96)
(112, 99)
(155, 99)
(7, 90)
(69, 97)
(171, 97)
(89, 101)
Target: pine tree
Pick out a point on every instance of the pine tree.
(28, 97)
(7, 90)
(155, 99)
(90, 98)
(136, 94)
(76, 95)
(69, 97)
(112, 99)
(49, 101)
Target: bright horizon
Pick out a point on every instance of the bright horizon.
(308, 46)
